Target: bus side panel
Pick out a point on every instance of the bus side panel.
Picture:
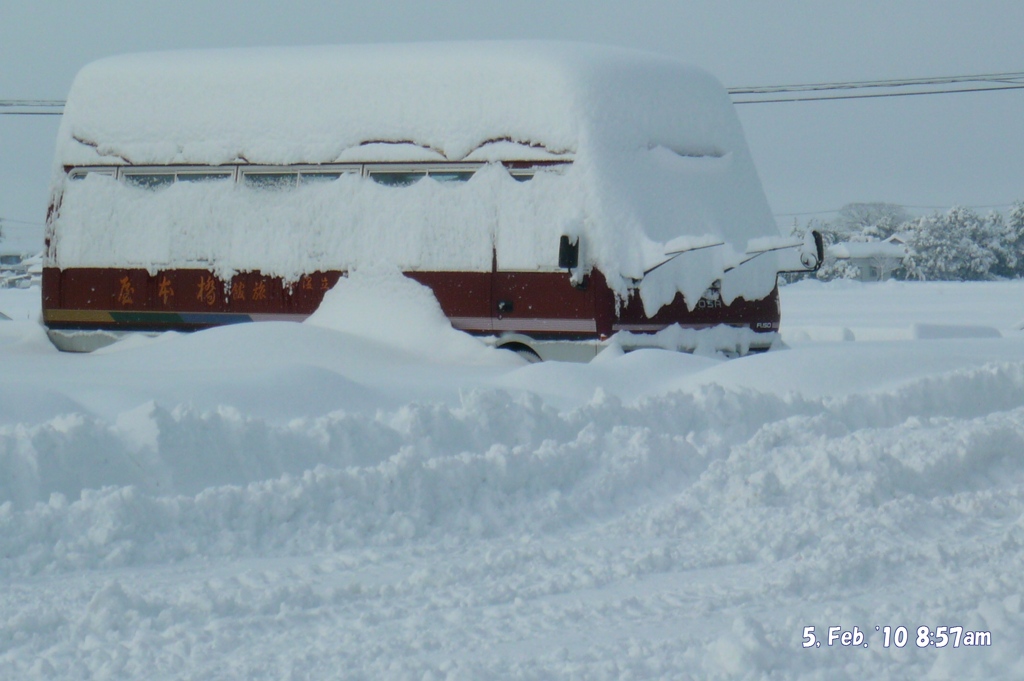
(543, 305)
(758, 315)
(134, 300)
(465, 297)
(51, 287)
(188, 299)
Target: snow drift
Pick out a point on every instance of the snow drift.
(384, 306)
(307, 501)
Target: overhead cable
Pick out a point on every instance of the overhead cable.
(1016, 77)
(902, 87)
(756, 94)
(31, 107)
(876, 95)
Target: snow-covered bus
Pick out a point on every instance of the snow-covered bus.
(552, 196)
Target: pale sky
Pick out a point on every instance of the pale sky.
(924, 152)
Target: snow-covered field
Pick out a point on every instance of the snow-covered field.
(327, 501)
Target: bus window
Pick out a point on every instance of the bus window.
(80, 173)
(149, 180)
(390, 178)
(451, 175)
(321, 176)
(522, 172)
(271, 180)
(204, 176)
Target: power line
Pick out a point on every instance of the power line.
(31, 107)
(876, 95)
(901, 87)
(837, 210)
(807, 212)
(1014, 77)
(42, 103)
(21, 222)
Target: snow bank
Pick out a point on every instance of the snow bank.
(953, 331)
(691, 534)
(900, 304)
(20, 304)
(657, 152)
(382, 305)
(290, 500)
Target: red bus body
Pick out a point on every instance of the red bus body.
(198, 189)
(541, 310)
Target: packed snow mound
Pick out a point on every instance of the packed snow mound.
(382, 305)
(656, 151)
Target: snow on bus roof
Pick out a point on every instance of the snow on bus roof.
(310, 104)
(657, 150)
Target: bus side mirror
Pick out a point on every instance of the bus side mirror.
(812, 261)
(568, 252)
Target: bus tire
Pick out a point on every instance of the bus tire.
(523, 350)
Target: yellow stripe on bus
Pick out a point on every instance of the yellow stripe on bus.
(77, 316)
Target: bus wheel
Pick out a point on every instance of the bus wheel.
(523, 350)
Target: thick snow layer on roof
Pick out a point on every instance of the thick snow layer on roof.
(657, 152)
(291, 105)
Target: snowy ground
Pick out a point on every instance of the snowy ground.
(314, 501)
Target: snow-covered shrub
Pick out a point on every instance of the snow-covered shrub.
(834, 268)
(1010, 242)
(959, 245)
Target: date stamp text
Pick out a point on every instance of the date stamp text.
(897, 637)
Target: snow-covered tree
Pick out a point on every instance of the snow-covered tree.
(958, 245)
(870, 221)
(1010, 242)
(834, 268)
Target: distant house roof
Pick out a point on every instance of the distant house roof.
(15, 249)
(867, 249)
